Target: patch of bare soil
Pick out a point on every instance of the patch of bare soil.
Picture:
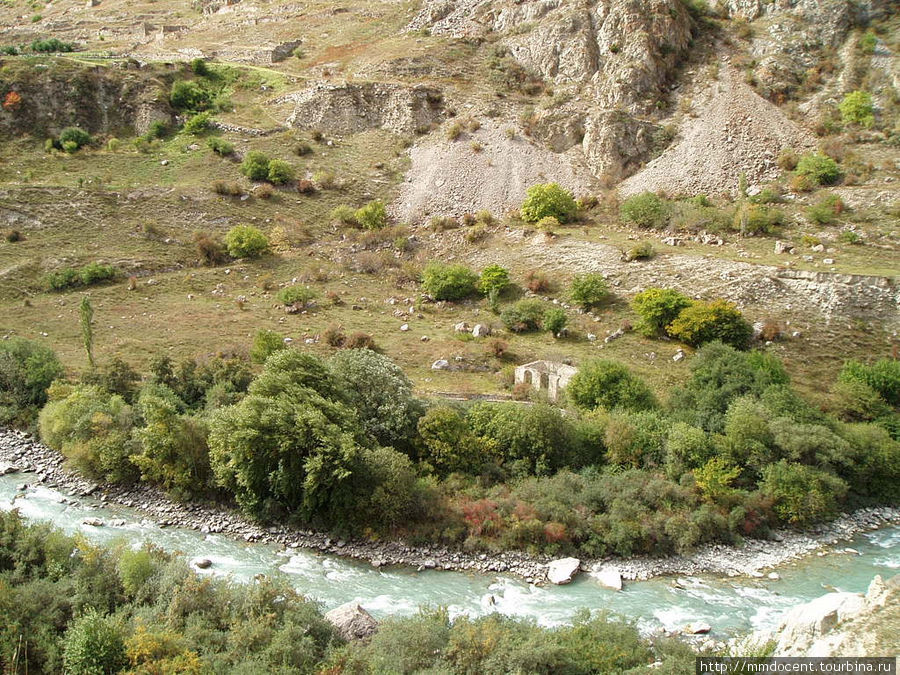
(736, 131)
(485, 169)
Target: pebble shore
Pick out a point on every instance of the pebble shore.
(38, 464)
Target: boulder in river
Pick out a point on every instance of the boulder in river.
(352, 621)
(696, 628)
(202, 563)
(562, 571)
(92, 521)
(608, 577)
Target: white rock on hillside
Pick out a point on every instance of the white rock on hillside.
(562, 571)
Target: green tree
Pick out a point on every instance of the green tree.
(26, 370)
(611, 385)
(857, 108)
(589, 290)
(255, 165)
(548, 199)
(372, 216)
(173, 449)
(380, 393)
(704, 322)
(86, 313)
(265, 342)
(448, 282)
(657, 308)
(94, 645)
(449, 443)
(246, 241)
(644, 210)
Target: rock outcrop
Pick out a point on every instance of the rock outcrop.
(351, 108)
(352, 621)
(837, 624)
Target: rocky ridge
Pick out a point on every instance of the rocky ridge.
(23, 454)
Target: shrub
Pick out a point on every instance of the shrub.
(345, 215)
(825, 211)
(360, 340)
(75, 137)
(856, 108)
(51, 45)
(493, 279)
(13, 236)
(523, 316)
(210, 250)
(26, 370)
(589, 290)
(801, 494)
(548, 224)
(372, 216)
(555, 320)
(642, 251)
(255, 165)
(818, 168)
(189, 96)
(302, 149)
(246, 241)
(883, 376)
(265, 191)
(537, 281)
(455, 130)
(94, 645)
(849, 237)
(548, 199)
(704, 322)
(787, 159)
(657, 308)
(220, 146)
(90, 274)
(265, 343)
(325, 180)
(644, 210)
(868, 41)
(197, 124)
(296, 295)
(306, 187)
(448, 282)
(611, 385)
(758, 219)
(280, 172)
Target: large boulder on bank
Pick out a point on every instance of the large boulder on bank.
(352, 621)
(608, 576)
(562, 571)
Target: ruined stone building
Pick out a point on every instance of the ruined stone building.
(546, 376)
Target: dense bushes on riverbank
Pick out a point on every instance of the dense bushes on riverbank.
(69, 606)
(344, 444)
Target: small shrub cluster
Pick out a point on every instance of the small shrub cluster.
(257, 166)
(89, 275)
(524, 316)
(246, 241)
(589, 291)
(298, 296)
(818, 168)
(645, 210)
(664, 311)
(857, 108)
(548, 200)
(220, 146)
(449, 282)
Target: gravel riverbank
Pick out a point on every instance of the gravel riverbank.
(39, 464)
